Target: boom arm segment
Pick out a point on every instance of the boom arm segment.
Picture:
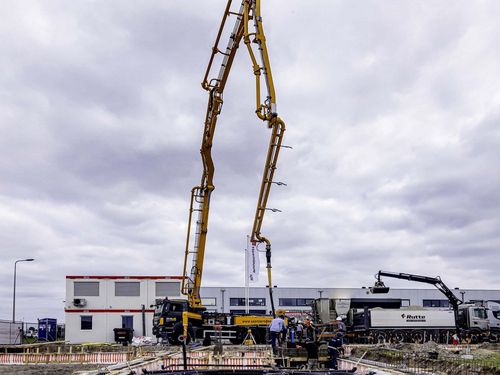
(266, 111)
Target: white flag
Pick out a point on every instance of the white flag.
(253, 263)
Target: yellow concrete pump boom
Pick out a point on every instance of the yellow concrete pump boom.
(249, 12)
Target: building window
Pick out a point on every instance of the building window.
(86, 322)
(127, 289)
(435, 303)
(209, 301)
(296, 301)
(251, 301)
(128, 321)
(167, 289)
(237, 301)
(257, 302)
(86, 288)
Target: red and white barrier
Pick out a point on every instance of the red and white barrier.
(91, 358)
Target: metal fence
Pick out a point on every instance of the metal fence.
(21, 332)
(11, 333)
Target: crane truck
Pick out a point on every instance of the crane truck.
(413, 323)
(188, 319)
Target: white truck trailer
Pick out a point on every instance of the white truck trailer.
(411, 318)
(409, 324)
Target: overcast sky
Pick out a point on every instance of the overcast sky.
(392, 109)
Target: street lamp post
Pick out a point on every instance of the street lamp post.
(14, 294)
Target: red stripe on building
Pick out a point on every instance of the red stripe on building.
(107, 311)
(128, 277)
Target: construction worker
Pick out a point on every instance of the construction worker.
(310, 332)
(299, 330)
(341, 327)
(276, 327)
(334, 349)
(312, 348)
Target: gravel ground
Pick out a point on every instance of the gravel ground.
(43, 369)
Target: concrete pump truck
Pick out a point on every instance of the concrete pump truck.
(185, 320)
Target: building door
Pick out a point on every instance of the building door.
(128, 321)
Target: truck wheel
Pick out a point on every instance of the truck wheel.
(399, 336)
(417, 337)
(173, 340)
(380, 338)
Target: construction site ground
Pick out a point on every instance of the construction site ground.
(428, 358)
(432, 358)
(46, 369)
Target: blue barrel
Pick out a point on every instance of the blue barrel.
(47, 329)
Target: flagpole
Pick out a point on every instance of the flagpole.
(247, 282)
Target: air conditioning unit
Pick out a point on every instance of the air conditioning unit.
(80, 302)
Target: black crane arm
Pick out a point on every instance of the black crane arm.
(436, 281)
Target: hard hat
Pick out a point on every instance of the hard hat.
(339, 318)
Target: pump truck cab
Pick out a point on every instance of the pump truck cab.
(191, 314)
(168, 323)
